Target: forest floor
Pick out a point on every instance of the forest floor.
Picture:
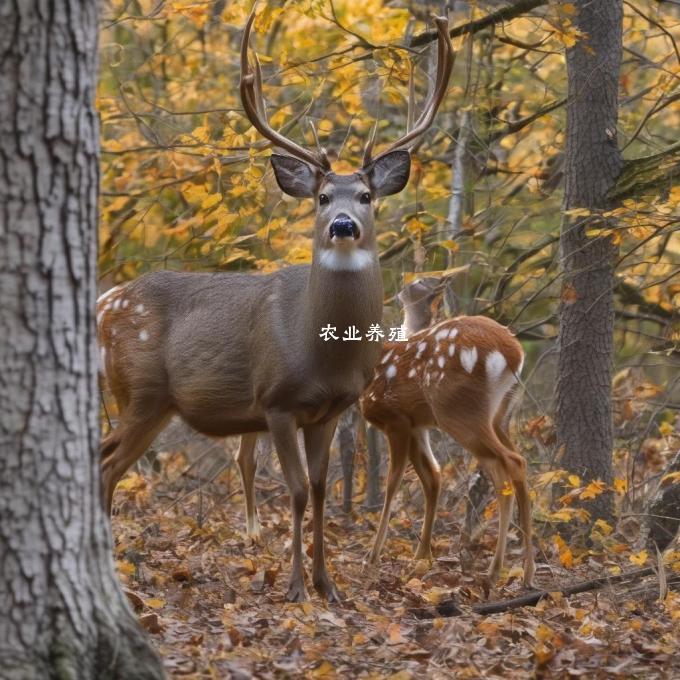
(214, 604)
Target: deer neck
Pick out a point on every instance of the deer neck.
(416, 317)
(342, 297)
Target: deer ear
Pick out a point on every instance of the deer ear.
(389, 173)
(295, 177)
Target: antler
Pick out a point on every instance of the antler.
(445, 59)
(254, 107)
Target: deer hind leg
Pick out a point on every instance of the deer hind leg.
(500, 426)
(399, 439)
(427, 469)
(506, 467)
(134, 433)
(247, 465)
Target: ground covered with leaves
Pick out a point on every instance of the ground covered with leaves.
(214, 602)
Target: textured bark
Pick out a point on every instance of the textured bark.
(63, 614)
(347, 430)
(592, 164)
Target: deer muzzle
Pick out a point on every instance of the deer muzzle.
(342, 227)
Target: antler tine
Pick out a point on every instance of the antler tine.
(252, 99)
(445, 60)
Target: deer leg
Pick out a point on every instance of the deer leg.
(500, 480)
(283, 429)
(317, 447)
(247, 465)
(500, 426)
(524, 510)
(427, 469)
(399, 443)
(122, 447)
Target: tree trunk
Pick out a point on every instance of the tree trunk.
(592, 164)
(63, 613)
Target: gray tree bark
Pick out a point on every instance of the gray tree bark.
(63, 614)
(592, 164)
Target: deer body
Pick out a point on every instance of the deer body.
(458, 376)
(185, 334)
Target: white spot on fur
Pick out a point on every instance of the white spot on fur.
(421, 349)
(453, 332)
(387, 356)
(343, 261)
(495, 365)
(429, 362)
(102, 360)
(143, 335)
(391, 371)
(125, 303)
(441, 334)
(468, 358)
(412, 373)
(440, 362)
(452, 349)
(139, 309)
(116, 304)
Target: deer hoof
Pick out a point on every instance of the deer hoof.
(326, 588)
(297, 591)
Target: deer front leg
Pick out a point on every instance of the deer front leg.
(318, 439)
(247, 466)
(284, 434)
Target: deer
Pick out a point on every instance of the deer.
(240, 353)
(460, 376)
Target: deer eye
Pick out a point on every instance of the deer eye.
(323, 199)
(365, 198)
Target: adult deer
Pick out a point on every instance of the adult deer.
(239, 353)
(460, 376)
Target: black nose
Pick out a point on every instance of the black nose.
(343, 226)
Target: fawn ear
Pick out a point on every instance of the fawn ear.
(295, 177)
(389, 174)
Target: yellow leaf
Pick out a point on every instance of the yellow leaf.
(603, 527)
(574, 480)
(211, 201)
(640, 558)
(202, 133)
(323, 670)
(453, 246)
(620, 486)
(567, 558)
(126, 567)
(593, 490)
(155, 603)
(507, 489)
(666, 428)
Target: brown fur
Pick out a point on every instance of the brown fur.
(423, 394)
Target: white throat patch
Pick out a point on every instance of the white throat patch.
(352, 261)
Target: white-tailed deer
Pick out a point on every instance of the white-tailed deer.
(241, 353)
(459, 376)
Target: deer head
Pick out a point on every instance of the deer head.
(344, 235)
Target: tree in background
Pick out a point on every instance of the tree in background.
(592, 164)
(63, 612)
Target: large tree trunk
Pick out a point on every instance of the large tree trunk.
(592, 164)
(62, 613)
